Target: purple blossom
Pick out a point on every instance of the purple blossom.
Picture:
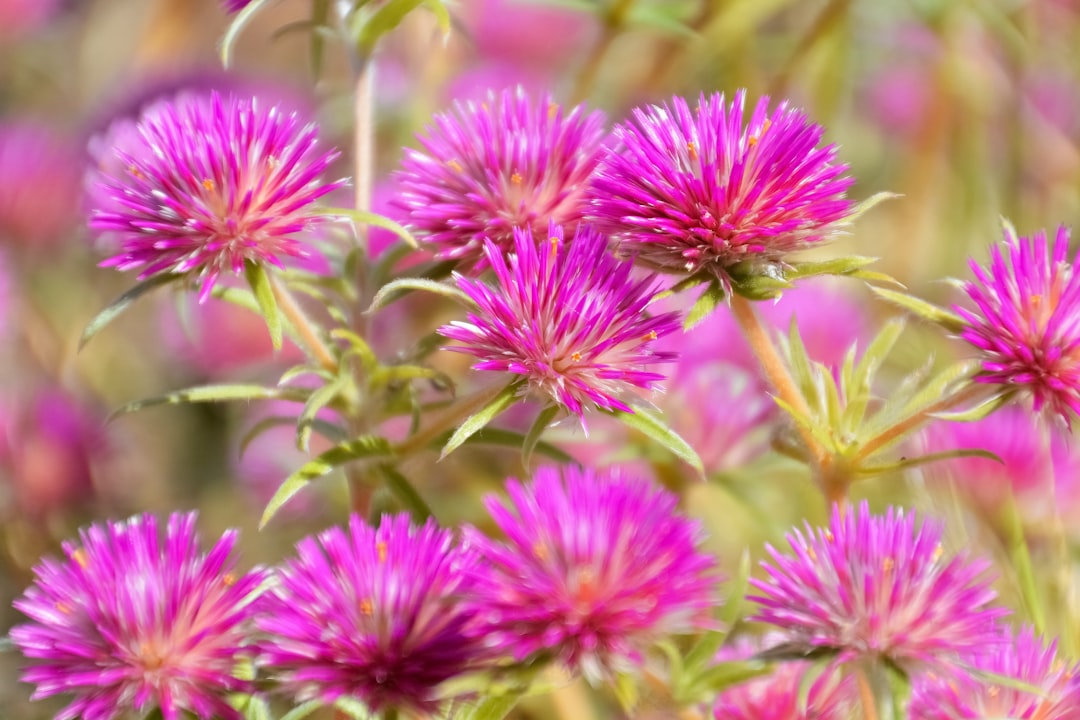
(1026, 321)
(567, 318)
(877, 586)
(202, 185)
(596, 566)
(1023, 657)
(372, 614)
(233, 6)
(130, 622)
(493, 167)
(699, 191)
(39, 183)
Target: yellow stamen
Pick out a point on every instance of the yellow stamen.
(651, 335)
(888, 564)
(576, 357)
(516, 178)
(554, 241)
(553, 110)
(540, 551)
(208, 184)
(380, 547)
(692, 149)
(63, 607)
(80, 557)
(938, 552)
(229, 579)
(367, 608)
(828, 535)
(136, 172)
(455, 166)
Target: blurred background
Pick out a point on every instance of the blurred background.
(970, 109)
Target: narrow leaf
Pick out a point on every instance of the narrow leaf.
(386, 18)
(928, 311)
(495, 707)
(397, 288)
(481, 418)
(442, 16)
(835, 266)
(980, 410)
(870, 203)
(705, 305)
(239, 22)
(1025, 570)
(318, 400)
(302, 711)
(369, 218)
(215, 393)
(360, 347)
(653, 427)
(907, 463)
(122, 303)
(406, 493)
(328, 430)
(367, 446)
(691, 282)
(354, 709)
(540, 424)
(499, 437)
(264, 295)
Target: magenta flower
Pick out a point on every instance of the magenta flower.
(203, 185)
(597, 565)
(697, 191)
(1026, 321)
(130, 622)
(493, 167)
(39, 183)
(568, 318)
(788, 692)
(877, 586)
(371, 614)
(1022, 657)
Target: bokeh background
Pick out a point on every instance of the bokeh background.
(969, 109)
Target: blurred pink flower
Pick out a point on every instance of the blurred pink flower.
(20, 17)
(527, 35)
(39, 184)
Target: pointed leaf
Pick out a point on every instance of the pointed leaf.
(256, 708)
(239, 22)
(540, 424)
(367, 446)
(406, 493)
(395, 289)
(328, 430)
(980, 410)
(705, 305)
(834, 266)
(360, 347)
(928, 311)
(237, 296)
(442, 16)
(500, 437)
(264, 295)
(1020, 555)
(907, 463)
(387, 17)
(354, 709)
(760, 287)
(318, 400)
(302, 711)
(369, 218)
(627, 692)
(122, 303)
(494, 707)
(870, 203)
(215, 393)
(683, 285)
(653, 427)
(478, 420)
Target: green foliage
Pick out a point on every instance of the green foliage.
(239, 22)
(653, 427)
(478, 420)
(122, 303)
(264, 296)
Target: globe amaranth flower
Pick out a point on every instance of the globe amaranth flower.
(497, 166)
(130, 621)
(203, 184)
(596, 566)
(1023, 657)
(1026, 320)
(372, 614)
(569, 318)
(690, 191)
(878, 587)
(788, 692)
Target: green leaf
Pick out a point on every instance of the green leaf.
(397, 288)
(870, 203)
(354, 709)
(387, 17)
(331, 432)
(406, 493)
(494, 707)
(760, 286)
(318, 400)
(723, 675)
(478, 420)
(239, 22)
(264, 295)
(388, 374)
(683, 285)
(928, 311)
(359, 347)
(367, 446)
(237, 296)
(540, 424)
(705, 305)
(122, 303)
(369, 218)
(215, 393)
(835, 266)
(660, 17)
(1025, 570)
(500, 437)
(626, 692)
(442, 16)
(256, 708)
(980, 410)
(302, 711)
(653, 427)
(907, 463)
(736, 592)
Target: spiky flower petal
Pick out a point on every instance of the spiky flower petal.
(1026, 321)
(1023, 657)
(201, 185)
(372, 614)
(566, 317)
(496, 166)
(690, 191)
(878, 586)
(129, 622)
(596, 566)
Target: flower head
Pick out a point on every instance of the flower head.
(878, 586)
(497, 166)
(202, 185)
(39, 183)
(372, 614)
(1021, 656)
(1026, 321)
(689, 191)
(568, 318)
(596, 566)
(130, 621)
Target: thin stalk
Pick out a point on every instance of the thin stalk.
(613, 24)
(450, 418)
(912, 422)
(866, 696)
(306, 331)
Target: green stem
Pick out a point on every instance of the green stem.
(450, 418)
(306, 331)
